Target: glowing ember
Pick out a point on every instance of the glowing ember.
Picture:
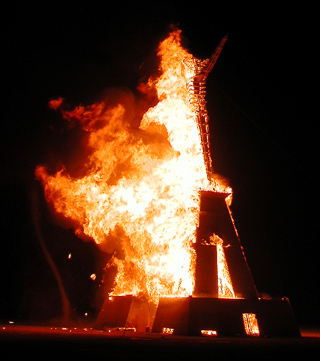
(209, 333)
(167, 330)
(251, 324)
(93, 276)
(55, 103)
(138, 197)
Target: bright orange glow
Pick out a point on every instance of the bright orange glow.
(93, 276)
(55, 103)
(251, 324)
(225, 288)
(167, 330)
(138, 197)
(209, 333)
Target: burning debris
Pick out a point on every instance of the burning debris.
(138, 198)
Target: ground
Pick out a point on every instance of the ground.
(80, 343)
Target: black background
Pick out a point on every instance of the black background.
(262, 105)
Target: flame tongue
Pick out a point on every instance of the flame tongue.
(139, 196)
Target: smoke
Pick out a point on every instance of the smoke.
(36, 221)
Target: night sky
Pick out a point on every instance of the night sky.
(261, 101)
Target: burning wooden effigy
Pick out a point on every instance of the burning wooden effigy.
(148, 195)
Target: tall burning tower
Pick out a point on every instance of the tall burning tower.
(150, 197)
(225, 299)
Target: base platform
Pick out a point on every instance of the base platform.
(195, 316)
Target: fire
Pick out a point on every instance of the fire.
(55, 103)
(138, 196)
(225, 289)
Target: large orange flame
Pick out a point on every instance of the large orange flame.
(139, 196)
